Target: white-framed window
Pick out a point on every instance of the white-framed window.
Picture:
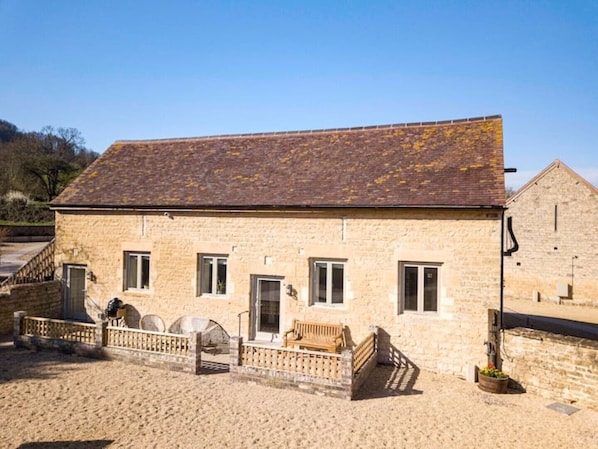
(328, 282)
(137, 270)
(212, 271)
(419, 287)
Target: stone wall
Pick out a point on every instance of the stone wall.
(465, 244)
(555, 221)
(42, 299)
(553, 366)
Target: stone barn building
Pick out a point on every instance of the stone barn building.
(397, 226)
(555, 218)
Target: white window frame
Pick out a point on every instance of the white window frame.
(329, 281)
(421, 266)
(214, 282)
(139, 255)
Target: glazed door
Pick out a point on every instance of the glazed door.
(75, 292)
(266, 309)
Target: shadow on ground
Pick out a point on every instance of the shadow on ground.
(16, 364)
(388, 380)
(397, 378)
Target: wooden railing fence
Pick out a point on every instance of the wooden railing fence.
(310, 363)
(337, 375)
(363, 352)
(59, 329)
(174, 352)
(39, 269)
(143, 340)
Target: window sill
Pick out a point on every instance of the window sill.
(420, 314)
(212, 296)
(139, 291)
(329, 306)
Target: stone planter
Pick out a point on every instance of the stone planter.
(493, 384)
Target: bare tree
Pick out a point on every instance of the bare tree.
(54, 158)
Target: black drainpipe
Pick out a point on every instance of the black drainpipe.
(502, 266)
(504, 253)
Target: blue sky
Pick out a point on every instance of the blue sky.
(157, 69)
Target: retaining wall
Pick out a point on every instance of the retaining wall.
(554, 366)
(39, 299)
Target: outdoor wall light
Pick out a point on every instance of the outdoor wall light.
(291, 291)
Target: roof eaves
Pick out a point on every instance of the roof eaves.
(265, 207)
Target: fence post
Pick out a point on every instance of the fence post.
(18, 326)
(101, 331)
(374, 330)
(493, 342)
(235, 352)
(195, 352)
(347, 372)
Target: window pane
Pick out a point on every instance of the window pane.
(131, 271)
(221, 283)
(320, 277)
(206, 275)
(410, 293)
(430, 289)
(269, 292)
(337, 283)
(145, 272)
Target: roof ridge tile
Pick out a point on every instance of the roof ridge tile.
(317, 131)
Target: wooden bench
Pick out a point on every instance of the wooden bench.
(311, 335)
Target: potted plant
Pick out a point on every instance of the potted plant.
(492, 380)
(221, 287)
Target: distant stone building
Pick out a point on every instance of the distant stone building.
(397, 226)
(555, 222)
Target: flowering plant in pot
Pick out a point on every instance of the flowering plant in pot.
(492, 371)
(492, 380)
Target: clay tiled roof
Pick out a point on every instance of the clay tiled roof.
(441, 164)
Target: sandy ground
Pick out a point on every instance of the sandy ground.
(51, 400)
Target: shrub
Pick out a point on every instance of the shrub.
(20, 210)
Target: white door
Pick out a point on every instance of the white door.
(266, 309)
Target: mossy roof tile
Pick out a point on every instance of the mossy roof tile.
(441, 164)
